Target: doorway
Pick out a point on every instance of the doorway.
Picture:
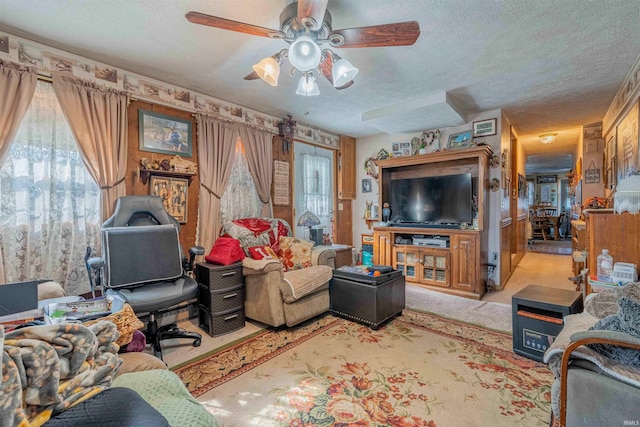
(313, 187)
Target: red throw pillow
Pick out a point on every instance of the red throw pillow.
(262, 252)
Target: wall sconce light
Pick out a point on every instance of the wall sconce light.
(548, 138)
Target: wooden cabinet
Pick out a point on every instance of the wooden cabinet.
(616, 232)
(461, 267)
(382, 248)
(465, 256)
(456, 269)
(347, 168)
(428, 266)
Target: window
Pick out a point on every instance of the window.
(240, 199)
(316, 184)
(49, 204)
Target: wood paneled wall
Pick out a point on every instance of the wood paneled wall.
(133, 180)
(284, 211)
(134, 183)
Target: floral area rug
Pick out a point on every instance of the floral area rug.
(417, 370)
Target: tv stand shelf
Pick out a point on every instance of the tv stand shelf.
(458, 269)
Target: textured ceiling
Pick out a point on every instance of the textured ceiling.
(551, 65)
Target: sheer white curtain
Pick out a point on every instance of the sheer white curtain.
(317, 184)
(49, 205)
(240, 199)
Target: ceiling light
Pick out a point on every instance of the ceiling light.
(308, 86)
(269, 69)
(548, 138)
(343, 72)
(304, 54)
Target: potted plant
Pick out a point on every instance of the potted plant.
(422, 149)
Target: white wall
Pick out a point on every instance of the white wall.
(369, 146)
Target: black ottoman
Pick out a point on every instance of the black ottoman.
(366, 299)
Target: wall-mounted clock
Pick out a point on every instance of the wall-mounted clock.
(286, 128)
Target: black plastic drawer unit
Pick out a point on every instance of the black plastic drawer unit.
(220, 297)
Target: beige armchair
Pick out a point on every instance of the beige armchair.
(272, 295)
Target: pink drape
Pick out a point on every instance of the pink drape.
(216, 152)
(98, 118)
(257, 144)
(17, 86)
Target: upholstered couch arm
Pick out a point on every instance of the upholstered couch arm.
(323, 256)
(252, 266)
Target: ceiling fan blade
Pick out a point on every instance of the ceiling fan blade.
(326, 67)
(252, 76)
(398, 34)
(312, 9)
(227, 24)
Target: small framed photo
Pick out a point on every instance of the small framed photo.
(174, 193)
(395, 146)
(484, 128)
(459, 140)
(159, 133)
(366, 185)
(397, 154)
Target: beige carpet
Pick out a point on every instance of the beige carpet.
(417, 370)
(536, 269)
(487, 314)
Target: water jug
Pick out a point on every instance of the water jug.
(605, 266)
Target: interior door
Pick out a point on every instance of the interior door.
(313, 186)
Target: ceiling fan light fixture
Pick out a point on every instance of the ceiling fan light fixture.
(304, 53)
(548, 138)
(343, 72)
(268, 70)
(308, 85)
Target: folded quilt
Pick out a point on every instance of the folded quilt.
(47, 369)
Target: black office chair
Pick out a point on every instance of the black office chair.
(142, 263)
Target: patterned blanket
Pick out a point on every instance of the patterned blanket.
(48, 369)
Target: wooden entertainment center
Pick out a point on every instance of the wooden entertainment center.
(452, 261)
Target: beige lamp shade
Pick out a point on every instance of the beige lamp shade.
(268, 70)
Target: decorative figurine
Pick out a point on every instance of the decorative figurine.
(386, 212)
(367, 210)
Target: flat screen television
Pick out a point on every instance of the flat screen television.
(435, 200)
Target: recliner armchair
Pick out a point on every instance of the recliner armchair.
(595, 387)
(272, 295)
(142, 263)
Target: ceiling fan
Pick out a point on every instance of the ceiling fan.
(306, 26)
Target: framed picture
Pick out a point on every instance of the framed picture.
(484, 128)
(546, 179)
(397, 154)
(522, 187)
(627, 144)
(366, 185)
(174, 193)
(160, 133)
(459, 140)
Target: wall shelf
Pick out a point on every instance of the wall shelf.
(371, 221)
(146, 173)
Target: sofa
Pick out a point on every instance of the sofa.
(596, 361)
(286, 279)
(65, 374)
